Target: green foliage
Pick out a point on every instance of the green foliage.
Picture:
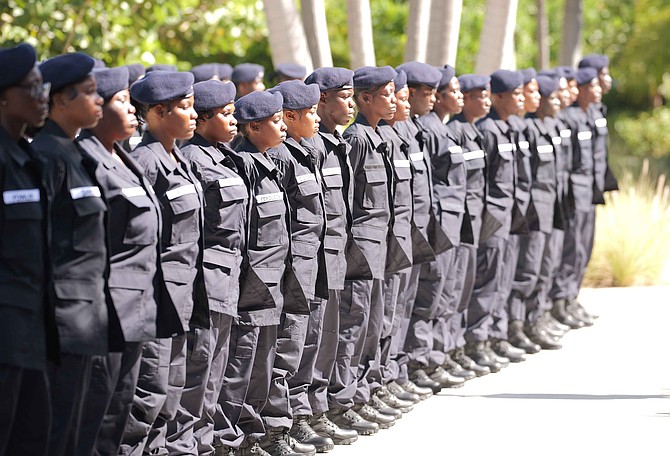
(646, 134)
(632, 240)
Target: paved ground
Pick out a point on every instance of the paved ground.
(605, 393)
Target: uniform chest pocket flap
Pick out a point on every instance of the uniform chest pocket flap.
(375, 188)
(403, 172)
(184, 204)
(20, 228)
(231, 193)
(141, 226)
(333, 181)
(271, 227)
(506, 153)
(88, 230)
(307, 185)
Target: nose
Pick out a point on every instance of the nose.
(317, 118)
(283, 126)
(99, 100)
(194, 115)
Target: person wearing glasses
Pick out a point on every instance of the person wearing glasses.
(24, 389)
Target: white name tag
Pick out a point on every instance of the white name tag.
(505, 147)
(21, 196)
(602, 122)
(266, 198)
(416, 156)
(401, 163)
(584, 135)
(133, 191)
(336, 171)
(473, 154)
(524, 145)
(230, 182)
(456, 149)
(305, 178)
(566, 133)
(85, 192)
(556, 140)
(545, 149)
(180, 191)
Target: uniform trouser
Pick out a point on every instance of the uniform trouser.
(529, 275)
(589, 238)
(354, 315)
(291, 333)
(157, 395)
(300, 383)
(326, 355)
(459, 321)
(191, 432)
(420, 339)
(500, 312)
(396, 322)
(108, 400)
(244, 340)
(68, 383)
(369, 367)
(551, 261)
(25, 411)
(485, 293)
(573, 257)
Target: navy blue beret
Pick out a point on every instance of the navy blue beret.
(505, 81)
(205, 71)
(98, 63)
(225, 71)
(16, 63)
(528, 75)
(247, 72)
(586, 75)
(552, 73)
(212, 94)
(329, 78)
(161, 67)
(369, 76)
(292, 70)
(135, 71)
(258, 106)
(567, 72)
(597, 61)
(297, 94)
(160, 86)
(473, 81)
(400, 81)
(546, 85)
(66, 69)
(110, 81)
(447, 73)
(421, 73)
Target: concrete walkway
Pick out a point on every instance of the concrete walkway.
(604, 393)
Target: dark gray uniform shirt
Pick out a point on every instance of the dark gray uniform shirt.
(543, 169)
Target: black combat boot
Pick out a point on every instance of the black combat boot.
(519, 339)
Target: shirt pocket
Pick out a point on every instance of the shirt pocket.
(403, 186)
(375, 194)
(88, 232)
(271, 230)
(22, 230)
(142, 223)
(546, 164)
(231, 210)
(221, 272)
(308, 208)
(185, 222)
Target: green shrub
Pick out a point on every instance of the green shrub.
(632, 240)
(646, 134)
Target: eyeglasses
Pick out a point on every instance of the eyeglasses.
(38, 90)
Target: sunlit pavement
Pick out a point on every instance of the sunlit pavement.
(604, 393)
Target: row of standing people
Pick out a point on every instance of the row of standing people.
(248, 279)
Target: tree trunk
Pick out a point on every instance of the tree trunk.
(316, 30)
(288, 43)
(496, 44)
(573, 22)
(359, 21)
(542, 36)
(417, 31)
(445, 24)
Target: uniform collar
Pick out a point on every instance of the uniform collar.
(157, 148)
(19, 151)
(212, 151)
(370, 132)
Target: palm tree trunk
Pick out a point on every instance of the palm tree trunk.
(573, 21)
(542, 35)
(359, 21)
(496, 44)
(417, 32)
(316, 29)
(288, 43)
(445, 24)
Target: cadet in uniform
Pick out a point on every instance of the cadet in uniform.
(134, 286)
(298, 163)
(225, 212)
(264, 263)
(336, 109)
(289, 71)
(366, 252)
(476, 105)
(165, 103)
(78, 247)
(248, 77)
(25, 343)
(205, 72)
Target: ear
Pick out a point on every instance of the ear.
(160, 109)
(323, 98)
(290, 116)
(366, 97)
(254, 126)
(58, 99)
